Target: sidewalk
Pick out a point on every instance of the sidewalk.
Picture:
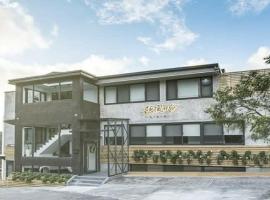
(200, 174)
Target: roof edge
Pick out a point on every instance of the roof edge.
(211, 65)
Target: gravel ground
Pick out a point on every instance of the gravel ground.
(153, 188)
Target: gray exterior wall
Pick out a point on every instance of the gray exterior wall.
(188, 110)
(9, 114)
(53, 113)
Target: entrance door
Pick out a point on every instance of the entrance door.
(91, 157)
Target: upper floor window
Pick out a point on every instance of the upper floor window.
(47, 92)
(189, 88)
(90, 92)
(132, 93)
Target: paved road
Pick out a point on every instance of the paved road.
(154, 188)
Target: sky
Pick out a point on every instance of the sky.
(117, 36)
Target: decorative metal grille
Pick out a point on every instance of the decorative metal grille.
(116, 133)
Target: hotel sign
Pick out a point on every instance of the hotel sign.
(160, 109)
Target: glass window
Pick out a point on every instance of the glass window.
(137, 134)
(173, 134)
(152, 91)
(66, 90)
(27, 141)
(191, 133)
(52, 91)
(46, 92)
(188, 88)
(137, 93)
(110, 136)
(110, 95)
(206, 87)
(123, 94)
(44, 142)
(28, 94)
(171, 89)
(212, 134)
(90, 92)
(212, 129)
(154, 134)
(233, 135)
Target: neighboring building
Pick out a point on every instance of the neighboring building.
(8, 134)
(64, 121)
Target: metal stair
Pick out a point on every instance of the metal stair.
(87, 180)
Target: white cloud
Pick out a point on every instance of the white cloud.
(166, 15)
(55, 30)
(95, 64)
(240, 7)
(18, 30)
(256, 60)
(197, 61)
(144, 61)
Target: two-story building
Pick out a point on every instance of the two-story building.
(64, 121)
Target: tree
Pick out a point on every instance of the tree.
(267, 60)
(246, 103)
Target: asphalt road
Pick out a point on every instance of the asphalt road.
(153, 188)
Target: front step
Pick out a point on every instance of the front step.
(87, 180)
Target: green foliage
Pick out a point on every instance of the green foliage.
(155, 158)
(246, 159)
(163, 156)
(247, 102)
(28, 177)
(267, 60)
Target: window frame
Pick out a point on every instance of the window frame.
(202, 142)
(59, 92)
(88, 82)
(129, 101)
(199, 88)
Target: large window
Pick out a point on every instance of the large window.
(47, 141)
(154, 134)
(185, 134)
(173, 134)
(112, 135)
(213, 134)
(90, 92)
(137, 93)
(189, 88)
(66, 90)
(123, 94)
(132, 93)
(137, 134)
(191, 134)
(233, 135)
(47, 92)
(110, 95)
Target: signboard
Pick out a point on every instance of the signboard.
(159, 109)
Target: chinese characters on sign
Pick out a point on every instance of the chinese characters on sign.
(159, 111)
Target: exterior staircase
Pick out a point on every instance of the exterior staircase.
(51, 145)
(87, 180)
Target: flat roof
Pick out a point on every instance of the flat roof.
(184, 68)
(55, 75)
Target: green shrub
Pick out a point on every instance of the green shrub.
(174, 158)
(247, 155)
(155, 158)
(199, 154)
(208, 161)
(191, 153)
